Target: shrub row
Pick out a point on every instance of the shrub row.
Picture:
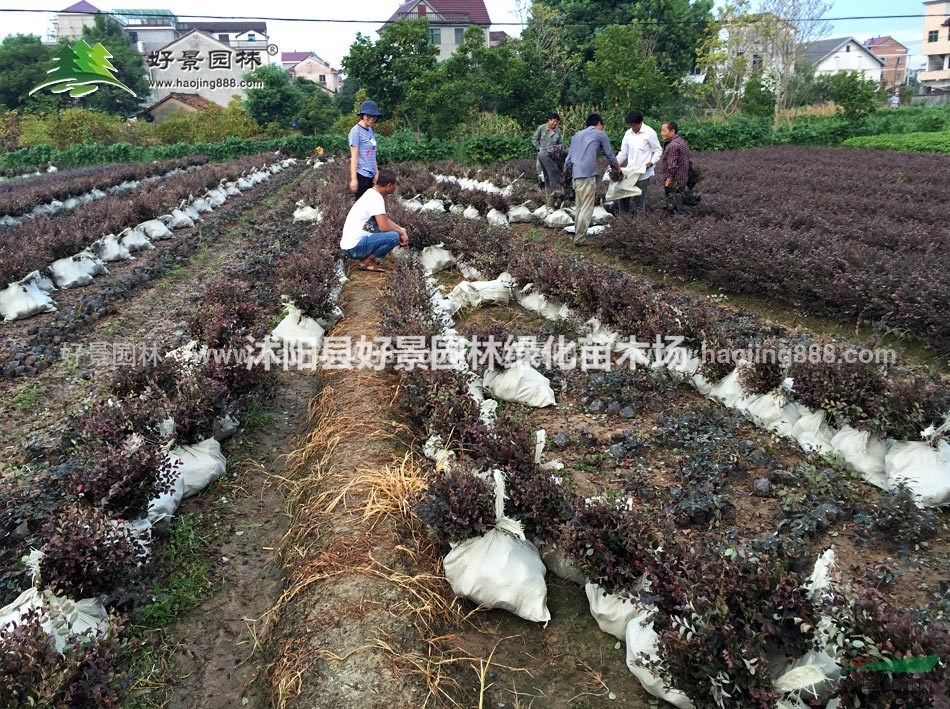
(37, 242)
(868, 248)
(889, 400)
(724, 609)
(908, 142)
(21, 196)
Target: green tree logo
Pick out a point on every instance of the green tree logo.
(80, 69)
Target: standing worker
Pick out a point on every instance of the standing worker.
(545, 136)
(641, 150)
(582, 160)
(675, 166)
(363, 168)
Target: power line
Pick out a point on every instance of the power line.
(498, 24)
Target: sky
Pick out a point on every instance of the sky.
(331, 40)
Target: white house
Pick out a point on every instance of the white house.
(448, 20)
(843, 54)
(148, 30)
(68, 23)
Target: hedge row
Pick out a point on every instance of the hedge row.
(405, 146)
(907, 142)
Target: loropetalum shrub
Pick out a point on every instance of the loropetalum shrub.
(873, 631)
(765, 372)
(121, 482)
(228, 321)
(897, 521)
(117, 418)
(308, 278)
(539, 502)
(86, 554)
(88, 673)
(722, 614)
(457, 506)
(611, 544)
(849, 391)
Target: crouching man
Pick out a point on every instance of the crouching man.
(368, 233)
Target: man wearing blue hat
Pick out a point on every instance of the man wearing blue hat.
(363, 149)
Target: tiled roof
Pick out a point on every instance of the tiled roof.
(293, 56)
(193, 100)
(471, 11)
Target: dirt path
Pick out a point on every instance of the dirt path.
(366, 619)
(217, 643)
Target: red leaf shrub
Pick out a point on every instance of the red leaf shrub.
(86, 554)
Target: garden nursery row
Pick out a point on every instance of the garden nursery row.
(745, 532)
(707, 618)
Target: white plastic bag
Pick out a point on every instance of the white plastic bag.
(155, 230)
(166, 504)
(600, 216)
(925, 469)
(520, 215)
(863, 452)
(62, 617)
(134, 240)
(558, 565)
(766, 411)
(521, 383)
(496, 218)
(304, 213)
(109, 249)
(500, 569)
(472, 294)
(641, 649)
(728, 391)
(536, 302)
(24, 298)
(557, 219)
(471, 213)
(413, 205)
(78, 270)
(625, 187)
(201, 464)
(434, 205)
(436, 258)
(611, 612)
(179, 219)
(542, 212)
(812, 433)
(298, 330)
(813, 676)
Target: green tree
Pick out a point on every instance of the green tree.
(672, 28)
(128, 67)
(23, 64)
(757, 100)
(279, 101)
(624, 71)
(319, 112)
(855, 97)
(394, 68)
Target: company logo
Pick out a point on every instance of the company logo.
(80, 69)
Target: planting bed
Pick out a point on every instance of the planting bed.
(725, 521)
(674, 516)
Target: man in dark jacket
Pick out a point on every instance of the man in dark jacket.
(675, 163)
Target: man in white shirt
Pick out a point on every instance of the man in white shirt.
(641, 150)
(368, 234)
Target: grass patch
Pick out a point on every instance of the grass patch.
(188, 574)
(27, 398)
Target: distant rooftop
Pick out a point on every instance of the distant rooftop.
(82, 6)
(145, 17)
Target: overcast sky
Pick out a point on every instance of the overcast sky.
(331, 40)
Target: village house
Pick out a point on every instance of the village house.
(448, 20)
(895, 56)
